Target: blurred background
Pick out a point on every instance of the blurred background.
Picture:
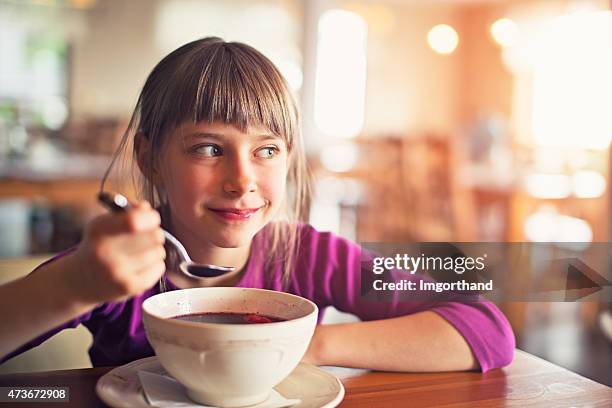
(424, 120)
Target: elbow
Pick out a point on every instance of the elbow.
(507, 354)
(504, 349)
(501, 345)
(508, 345)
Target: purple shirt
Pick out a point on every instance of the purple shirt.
(329, 274)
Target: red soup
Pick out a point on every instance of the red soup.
(228, 318)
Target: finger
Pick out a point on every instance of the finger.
(144, 205)
(149, 274)
(152, 273)
(138, 241)
(147, 258)
(132, 220)
(140, 279)
(125, 269)
(142, 218)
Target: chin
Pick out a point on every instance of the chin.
(226, 244)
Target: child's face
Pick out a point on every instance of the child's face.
(223, 185)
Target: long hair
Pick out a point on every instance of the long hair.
(212, 80)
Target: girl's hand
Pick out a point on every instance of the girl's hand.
(121, 255)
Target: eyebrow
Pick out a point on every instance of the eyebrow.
(217, 136)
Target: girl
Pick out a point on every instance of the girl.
(216, 138)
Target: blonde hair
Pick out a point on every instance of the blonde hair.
(212, 80)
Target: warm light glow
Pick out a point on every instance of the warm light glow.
(292, 73)
(572, 84)
(267, 26)
(546, 225)
(443, 39)
(339, 158)
(82, 4)
(588, 184)
(340, 74)
(325, 211)
(54, 112)
(505, 32)
(551, 186)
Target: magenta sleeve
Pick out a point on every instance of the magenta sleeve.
(486, 330)
(330, 274)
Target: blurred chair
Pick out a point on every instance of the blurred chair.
(412, 190)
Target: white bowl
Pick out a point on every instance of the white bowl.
(229, 365)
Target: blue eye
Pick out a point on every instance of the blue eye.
(267, 152)
(207, 150)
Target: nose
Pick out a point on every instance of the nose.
(239, 176)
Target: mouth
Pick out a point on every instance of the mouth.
(235, 214)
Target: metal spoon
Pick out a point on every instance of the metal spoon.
(117, 203)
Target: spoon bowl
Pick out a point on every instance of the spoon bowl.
(117, 203)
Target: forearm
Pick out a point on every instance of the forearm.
(421, 342)
(36, 304)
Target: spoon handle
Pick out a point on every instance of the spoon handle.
(114, 202)
(118, 203)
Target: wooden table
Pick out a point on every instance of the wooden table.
(528, 382)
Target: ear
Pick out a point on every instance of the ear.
(142, 150)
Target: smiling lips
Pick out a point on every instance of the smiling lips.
(235, 214)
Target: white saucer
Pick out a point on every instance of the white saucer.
(317, 388)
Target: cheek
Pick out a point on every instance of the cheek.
(275, 186)
(198, 180)
(185, 183)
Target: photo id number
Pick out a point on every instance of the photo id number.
(34, 394)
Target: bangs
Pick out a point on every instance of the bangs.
(236, 85)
